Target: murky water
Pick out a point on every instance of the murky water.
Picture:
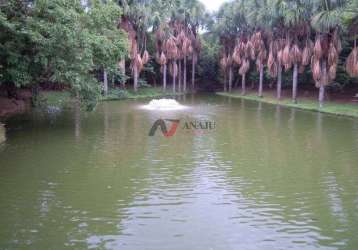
(267, 177)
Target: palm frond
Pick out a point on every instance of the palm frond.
(325, 20)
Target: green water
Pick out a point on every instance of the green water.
(266, 178)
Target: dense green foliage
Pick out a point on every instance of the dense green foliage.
(59, 42)
(208, 66)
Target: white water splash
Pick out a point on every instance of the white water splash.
(164, 104)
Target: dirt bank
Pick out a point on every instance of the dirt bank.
(12, 106)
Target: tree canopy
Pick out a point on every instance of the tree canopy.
(82, 43)
(59, 41)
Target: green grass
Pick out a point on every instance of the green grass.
(306, 104)
(56, 98)
(120, 94)
(64, 99)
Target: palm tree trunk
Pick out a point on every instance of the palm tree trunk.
(193, 75)
(179, 77)
(230, 78)
(321, 96)
(261, 79)
(135, 85)
(243, 84)
(225, 87)
(294, 83)
(2, 133)
(174, 79)
(279, 81)
(164, 77)
(105, 83)
(122, 68)
(184, 78)
(322, 85)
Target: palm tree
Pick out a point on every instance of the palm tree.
(227, 29)
(244, 51)
(172, 55)
(288, 22)
(350, 20)
(260, 20)
(160, 56)
(182, 20)
(296, 16)
(160, 12)
(195, 18)
(260, 48)
(327, 23)
(187, 49)
(135, 21)
(265, 21)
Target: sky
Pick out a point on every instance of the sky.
(212, 5)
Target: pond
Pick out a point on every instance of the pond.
(264, 177)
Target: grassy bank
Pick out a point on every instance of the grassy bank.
(120, 94)
(305, 104)
(56, 98)
(64, 99)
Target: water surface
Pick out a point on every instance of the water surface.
(267, 177)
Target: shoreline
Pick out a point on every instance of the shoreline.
(333, 108)
(140, 94)
(63, 99)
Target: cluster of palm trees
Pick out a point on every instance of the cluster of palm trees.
(302, 37)
(175, 25)
(286, 35)
(174, 48)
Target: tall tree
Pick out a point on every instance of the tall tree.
(327, 22)
(295, 16)
(227, 29)
(136, 22)
(59, 41)
(350, 21)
